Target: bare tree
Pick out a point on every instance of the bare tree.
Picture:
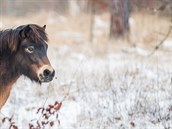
(119, 26)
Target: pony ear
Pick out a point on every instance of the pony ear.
(44, 27)
(25, 32)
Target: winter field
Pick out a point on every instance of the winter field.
(103, 84)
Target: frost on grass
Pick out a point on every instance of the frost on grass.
(116, 91)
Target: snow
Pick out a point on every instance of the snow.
(99, 26)
(1, 24)
(132, 21)
(99, 23)
(116, 91)
(137, 50)
(167, 43)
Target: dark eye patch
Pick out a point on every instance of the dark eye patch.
(42, 45)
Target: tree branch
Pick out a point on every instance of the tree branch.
(161, 42)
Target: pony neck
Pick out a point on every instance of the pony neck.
(5, 92)
(8, 76)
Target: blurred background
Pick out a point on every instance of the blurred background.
(112, 60)
(91, 20)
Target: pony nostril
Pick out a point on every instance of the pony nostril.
(47, 73)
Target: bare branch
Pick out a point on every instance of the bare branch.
(161, 42)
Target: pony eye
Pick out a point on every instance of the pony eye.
(30, 49)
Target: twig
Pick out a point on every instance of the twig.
(70, 84)
(161, 42)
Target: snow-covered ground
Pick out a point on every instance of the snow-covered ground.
(115, 91)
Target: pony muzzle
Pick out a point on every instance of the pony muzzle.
(46, 73)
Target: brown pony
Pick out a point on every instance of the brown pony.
(23, 51)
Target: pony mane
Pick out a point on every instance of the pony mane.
(10, 38)
(37, 33)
